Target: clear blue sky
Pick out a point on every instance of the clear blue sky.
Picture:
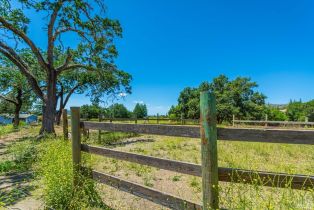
(168, 45)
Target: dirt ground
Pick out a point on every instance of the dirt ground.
(18, 189)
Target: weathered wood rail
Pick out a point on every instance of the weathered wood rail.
(224, 174)
(227, 134)
(209, 170)
(267, 122)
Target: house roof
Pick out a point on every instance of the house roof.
(21, 116)
(24, 116)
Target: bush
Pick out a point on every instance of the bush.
(56, 169)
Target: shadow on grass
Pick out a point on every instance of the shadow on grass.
(15, 187)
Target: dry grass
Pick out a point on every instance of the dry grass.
(295, 159)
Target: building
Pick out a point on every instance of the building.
(27, 118)
(5, 119)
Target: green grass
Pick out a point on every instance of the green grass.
(6, 129)
(19, 157)
(51, 162)
(55, 169)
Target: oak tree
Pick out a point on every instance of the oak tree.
(91, 49)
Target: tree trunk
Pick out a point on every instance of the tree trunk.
(49, 104)
(59, 112)
(58, 117)
(18, 107)
(63, 102)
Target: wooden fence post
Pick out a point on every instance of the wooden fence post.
(233, 119)
(76, 142)
(266, 119)
(65, 124)
(157, 118)
(208, 129)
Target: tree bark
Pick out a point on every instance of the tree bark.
(17, 109)
(63, 103)
(49, 106)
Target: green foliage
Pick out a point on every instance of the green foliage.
(140, 111)
(24, 154)
(85, 66)
(237, 97)
(15, 92)
(6, 107)
(118, 111)
(56, 169)
(298, 111)
(274, 114)
(91, 111)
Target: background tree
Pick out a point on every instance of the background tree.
(15, 90)
(140, 111)
(91, 111)
(275, 114)
(92, 51)
(237, 97)
(296, 111)
(118, 111)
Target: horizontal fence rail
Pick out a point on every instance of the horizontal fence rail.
(151, 194)
(273, 122)
(224, 174)
(228, 134)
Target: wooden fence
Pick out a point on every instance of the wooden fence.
(208, 170)
(267, 122)
(150, 120)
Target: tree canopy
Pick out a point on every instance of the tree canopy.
(91, 52)
(140, 111)
(234, 97)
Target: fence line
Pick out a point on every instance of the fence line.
(227, 134)
(224, 174)
(267, 122)
(209, 170)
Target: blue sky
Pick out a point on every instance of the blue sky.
(168, 45)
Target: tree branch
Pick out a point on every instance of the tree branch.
(50, 33)
(66, 63)
(8, 99)
(28, 41)
(76, 66)
(14, 58)
(69, 94)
